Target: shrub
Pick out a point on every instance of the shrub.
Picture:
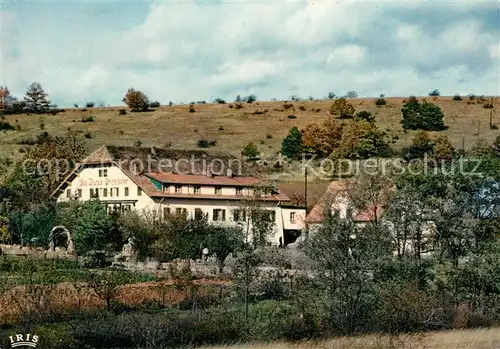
(259, 112)
(75, 105)
(136, 100)
(89, 104)
(138, 143)
(472, 97)
(421, 145)
(88, 135)
(221, 128)
(457, 97)
(205, 143)
(250, 99)
(331, 95)
(434, 93)
(238, 106)
(488, 105)
(269, 136)
(342, 109)
(295, 98)
(303, 108)
(292, 116)
(88, 119)
(154, 104)
(6, 126)
(380, 101)
(230, 106)
(424, 116)
(287, 105)
(122, 112)
(219, 101)
(251, 151)
(191, 109)
(365, 115)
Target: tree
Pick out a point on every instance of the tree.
(250, 151)
(443, 149)
(6, 99)
(425, 116)
(421, 145)
(434, 93)
(365, 115)
(331, 95)
(90, 224)
(36, 101)
(222, 241)
(351, 94)
(322, 139)
(292, 146)
(342, 109)
(250, 99)
(136, 100)
(362, 140)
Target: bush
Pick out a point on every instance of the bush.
(342, 109)
(191, 109)
(221, 128)
(472, 97)
(303, 108)
(122, 112)
(331, 95)
(457, 97)
(230, 106)
(292, 145)
(6, 126)
(365, 115)
(269, 136)
(88, 135)
(250, 99)
(424, 116)
(89, 104)
(292, 116)
(205, 143)
(88, 119)
(488, 105)
(219, 101)
(287, 105)
(380, 101)
(260, 112)
(154, 104)
(351, 94)
(238, 106)
(434, 93)
(136, 100)
(251, 151)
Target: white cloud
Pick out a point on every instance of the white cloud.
(185, 51)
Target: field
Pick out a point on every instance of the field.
(456, 339)
(264, 123)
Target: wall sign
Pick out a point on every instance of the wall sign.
(100, 182)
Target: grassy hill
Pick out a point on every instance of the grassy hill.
(264, 123)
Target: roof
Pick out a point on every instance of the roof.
(205, 180)
(317, 214)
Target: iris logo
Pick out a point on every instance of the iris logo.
(23, 340)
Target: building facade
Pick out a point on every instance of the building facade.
(166, 181)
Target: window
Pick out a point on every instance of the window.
(166, 188)
(126, 208)
(180, 210)
(117, 191)
(196, 189)
(239, 215)
(292, 217)
(198, 213)
(166, 212)
(218, 190)
(126, 191)
(79, 193)
(178, 189)
(105, 192)
(219, 214)
(94, 193)
(103, 172)
(68, 193)
(239, 191)
(139, 191)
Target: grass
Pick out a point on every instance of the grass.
(454, 339)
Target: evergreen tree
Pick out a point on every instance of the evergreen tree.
(36, 101)
(292, 145)
(422, 116)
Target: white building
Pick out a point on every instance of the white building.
(167, 181)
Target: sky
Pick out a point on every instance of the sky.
(185, 51)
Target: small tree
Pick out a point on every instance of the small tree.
(342, 109)
(434, 93)
(443, 149)
(421, 145)
(250, 99)
(292, 145)
(351, 94)
(331, 95)
(250, 151)
(222, 241)
(6, 99)
(322, 139)
(36, 99)
(365, 115)
(136, 100)
(425, 116)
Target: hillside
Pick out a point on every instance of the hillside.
(264, 123)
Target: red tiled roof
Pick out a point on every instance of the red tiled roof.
(205, 180)
(317, 214)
